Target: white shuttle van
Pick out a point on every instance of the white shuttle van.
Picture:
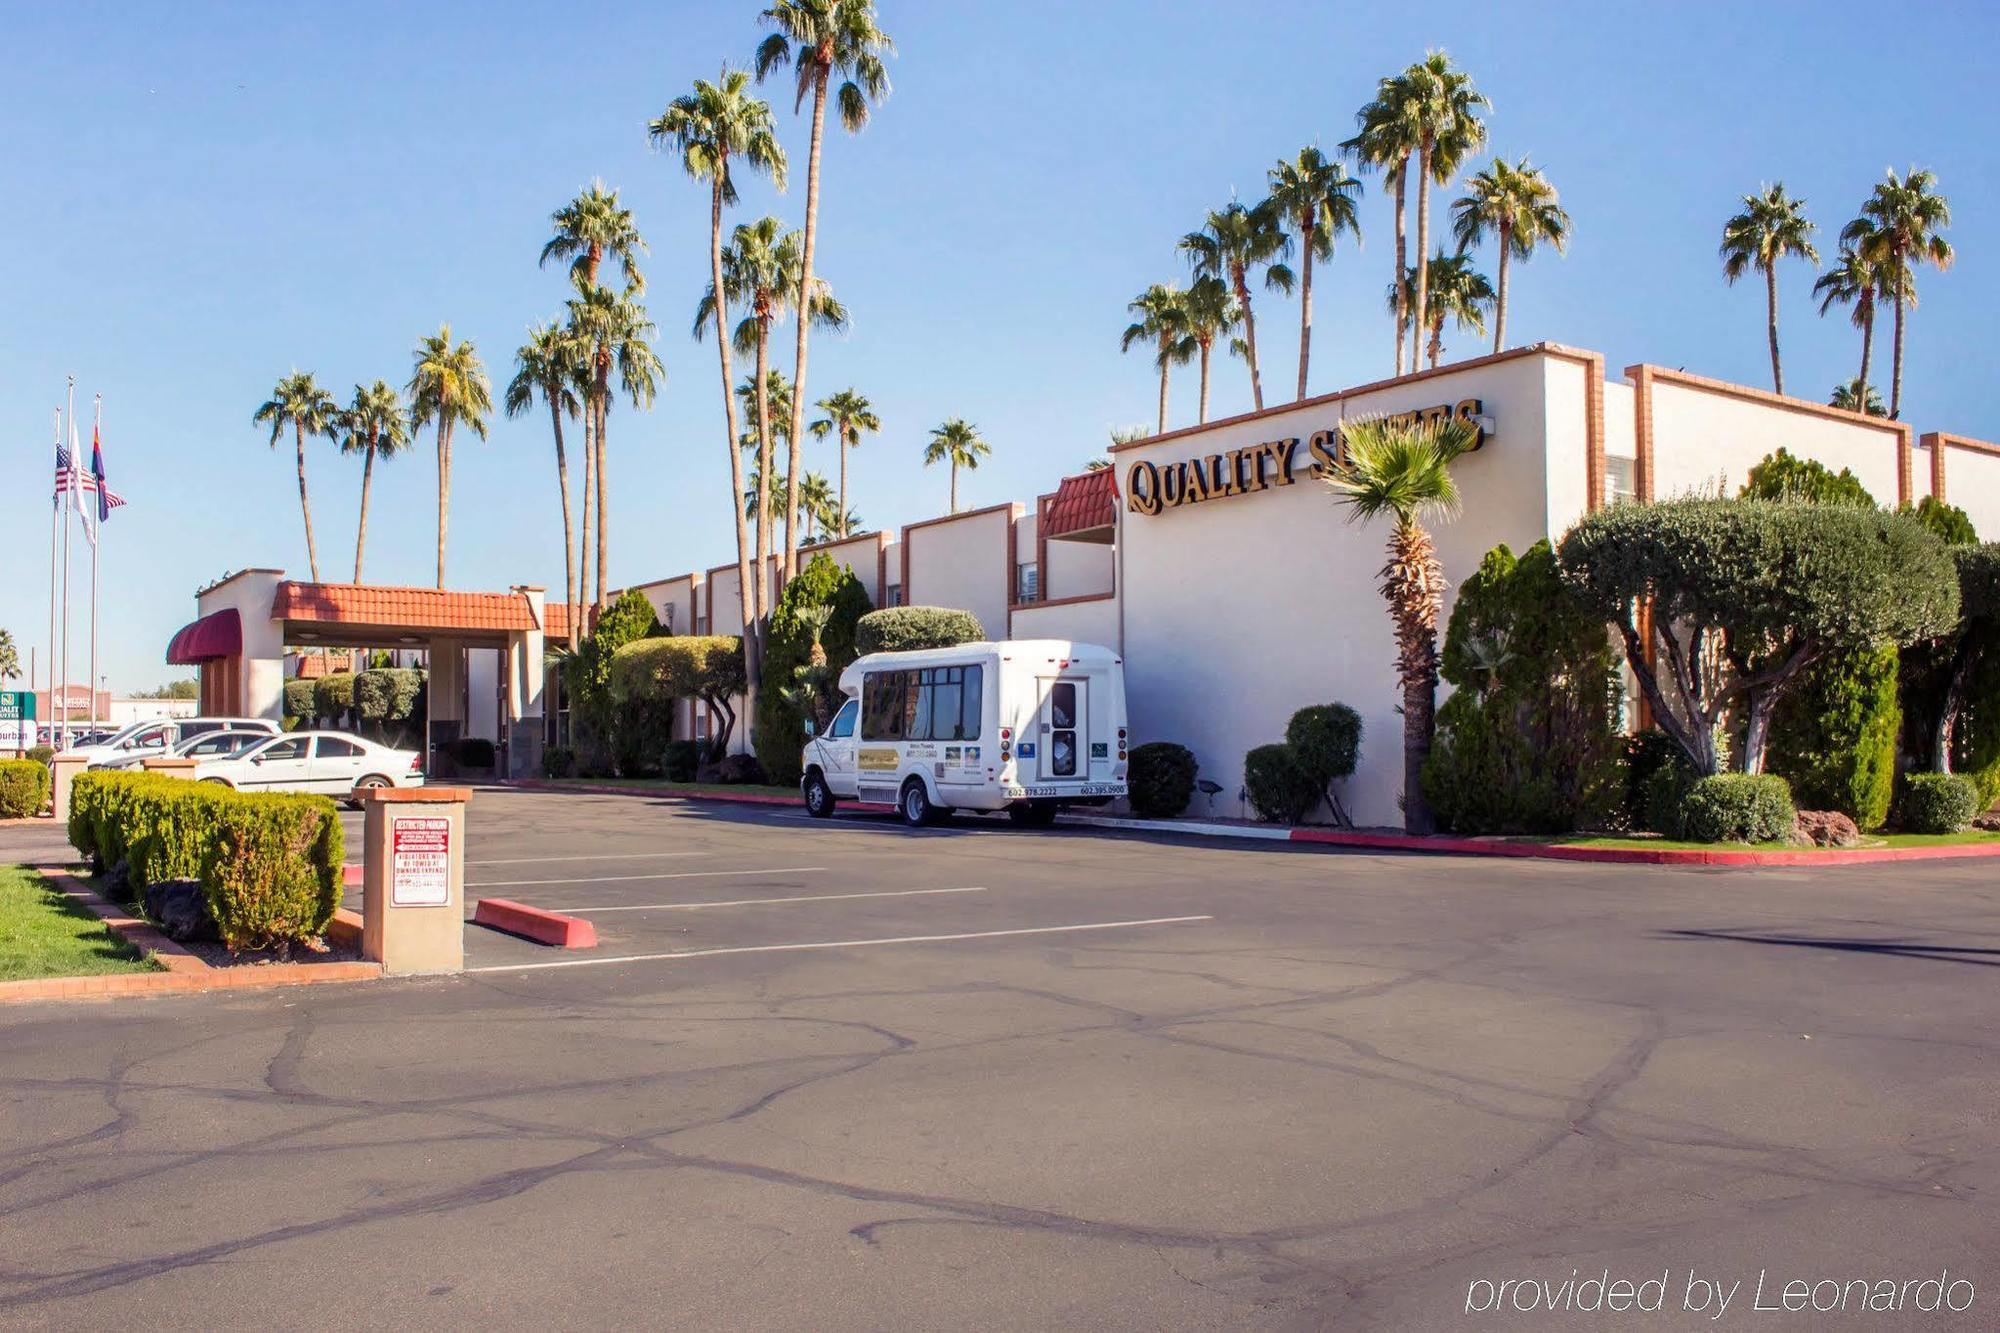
(1027, 726)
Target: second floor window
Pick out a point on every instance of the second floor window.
(1028, 581)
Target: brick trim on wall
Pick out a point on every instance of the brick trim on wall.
(1937, 441)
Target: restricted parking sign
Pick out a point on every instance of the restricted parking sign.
(419, 861)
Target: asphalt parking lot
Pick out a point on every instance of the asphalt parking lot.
(847, 1075)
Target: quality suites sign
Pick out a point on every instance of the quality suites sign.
(1152, 488)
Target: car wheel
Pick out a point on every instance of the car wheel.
(916, 804)
(1034, 814)
(220, 782)
(819, 796)
(372, 782)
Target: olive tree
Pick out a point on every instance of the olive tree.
(1739, 596)
(1944, 694)
(707, 667)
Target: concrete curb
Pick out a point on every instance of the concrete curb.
(535, 923)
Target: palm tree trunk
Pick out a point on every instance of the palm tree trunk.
(1202, 417)
(764, 474)
(603, 489)
(589, 506)
(1402, 262)
(569, 533)
(361, 528)
(1437, 341)
(804, 315)
(1413, 583)
(840, 435)
(1867, 351)
(1421, 316)
(444, 488)
(1165, 340)
(954, 485)
(753, 660)
(1249, 334)
(1500, 297)
(305, 506)
(1771, 306)
(1305, 305)
(1895, 383)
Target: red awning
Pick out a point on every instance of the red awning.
(218, 634)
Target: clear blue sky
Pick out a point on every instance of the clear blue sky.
(200, 198)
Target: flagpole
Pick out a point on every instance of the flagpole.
(96, 540)
(69, 498)
(55, 511)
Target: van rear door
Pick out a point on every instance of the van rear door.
(1063, 730)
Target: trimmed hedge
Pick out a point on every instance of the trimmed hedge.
(1738, 807)
(1326, 741)
(300, 701)
(1833, 735)
(1281, 789)
(333, 696)
(24, 787)
(683, 761)
(902, 629)
(1938, 803)
(1159, 777)
(656, 672)
(269, 863)
(558, 761)
(1647, 753)
(42, 754)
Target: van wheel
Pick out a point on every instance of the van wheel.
(915, 805)
(819, 796)
(1034, 814)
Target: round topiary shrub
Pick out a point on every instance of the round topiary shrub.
(1160, 779)
(1738, 807)
(1938, 803)
(299, 701)
(1325, 739)
(902, 629)
(24, 788)
(42, 754)
(333, 696)
(1281, 790)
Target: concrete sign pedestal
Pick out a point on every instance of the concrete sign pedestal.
(64, 768)
(413, 879)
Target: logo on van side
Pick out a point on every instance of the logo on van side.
(877, 761)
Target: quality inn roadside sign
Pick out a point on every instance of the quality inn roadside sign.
(17, 720)
(1153, 488)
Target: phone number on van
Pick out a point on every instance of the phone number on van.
(1092, 789)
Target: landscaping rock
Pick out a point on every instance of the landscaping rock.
(181, 908)
(117, 885)
(735, 768)
(1987, 823)
(1824, 828)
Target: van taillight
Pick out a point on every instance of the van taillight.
(1006, 733)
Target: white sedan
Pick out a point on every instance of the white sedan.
(208, 745)
(331, 762)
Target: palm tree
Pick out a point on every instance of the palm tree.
(591, 228)
(551, 363)
(448, 385)
(1403, 472)
(816, 502)
(848, 414)
(299, 401)
(820, 39)
(1518, 206)
(956, 442)
(1446, 114)
(1230, 243)
(1386, 139)
(1211, 313)
(1858, 396)
(1163, 314)
(1316, 195)
(1901, 227)
(614, 330)
(372, 426)
(716, 124)
(1458, 292)
(1771, 226)
(1853, 280)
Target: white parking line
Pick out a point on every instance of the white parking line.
(839, 944)
(760, 902)
(620, 879)
(603, 856)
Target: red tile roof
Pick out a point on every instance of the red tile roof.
(406, 608)
(555, 620)
(1083, 503)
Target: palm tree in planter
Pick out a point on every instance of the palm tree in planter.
(816, 506)
(1518, 206)
(448, 386)
(1901, 227)
(1854, 280)
(1233, 241)
(1315, 193)
(1211, 313)
(1162, 320)
(1459, 293)
(298, 401)
(848, 414)
(1403, 473)
(372, 426)
(1858, 396)
(1771, 226)
(956, 442)
(551, 363)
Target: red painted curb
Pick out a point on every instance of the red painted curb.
(350, 875)
(535, 923)
(1664, 856)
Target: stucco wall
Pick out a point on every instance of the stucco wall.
(1703, 437)
(963, 562)
(1094, 621)
(673, 601)
(860, 556)
(263, 682)
(1972, 482)
(1075, 569)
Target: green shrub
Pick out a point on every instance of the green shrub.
(1952, 525)
(1833, 736)
(387, 699)
(1281, 790)
(1785, 476)
(474, 752)
(558, 761)
(168, 829)
(586, 676)
(24, 788)
(333, 697)
(707, 667)
(1938, 803)
(1666, 798)
(1738, 807)
(1646, 753)
(42, 754)
(683, 761)
(640, 730)
(1955, 679)
(778, 730)
(1326, 741)
(1159, 778)
(299, 699)
(272, 875)
(902, 629)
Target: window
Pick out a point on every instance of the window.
(701, 624)
(332, 747)
(843, 721)
(667, 617)
(1062, 729)
(926, 704)
(292, 747)
(149, 740)
(893, 597)
(1028, 581)
(1621, 482)
(197, 728)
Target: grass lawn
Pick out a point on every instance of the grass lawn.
(44, 934)
(1970, 838)
(666, 788)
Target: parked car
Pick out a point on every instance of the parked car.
(230, 740)
(332, 762)
(156, 735)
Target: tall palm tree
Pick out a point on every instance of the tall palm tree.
(958, 443)
(615, 332)
(550, 363)
(1386, 140)
(711, 128)
(1520, 209)
(1403, 473)
(816, 503)
(1459, 293)
(848, 414)
(1771, 226)
(821, 39)
(1858, 396)
(1902, 227)
(1854, 280)
(298, 401)
(448, 385)
(372, 426)
(1234, 240)
(1446, 110)
(1211, 313)
(1316, 195)
(1163, 317)
(591, 228)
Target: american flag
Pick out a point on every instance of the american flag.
(69, 478)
